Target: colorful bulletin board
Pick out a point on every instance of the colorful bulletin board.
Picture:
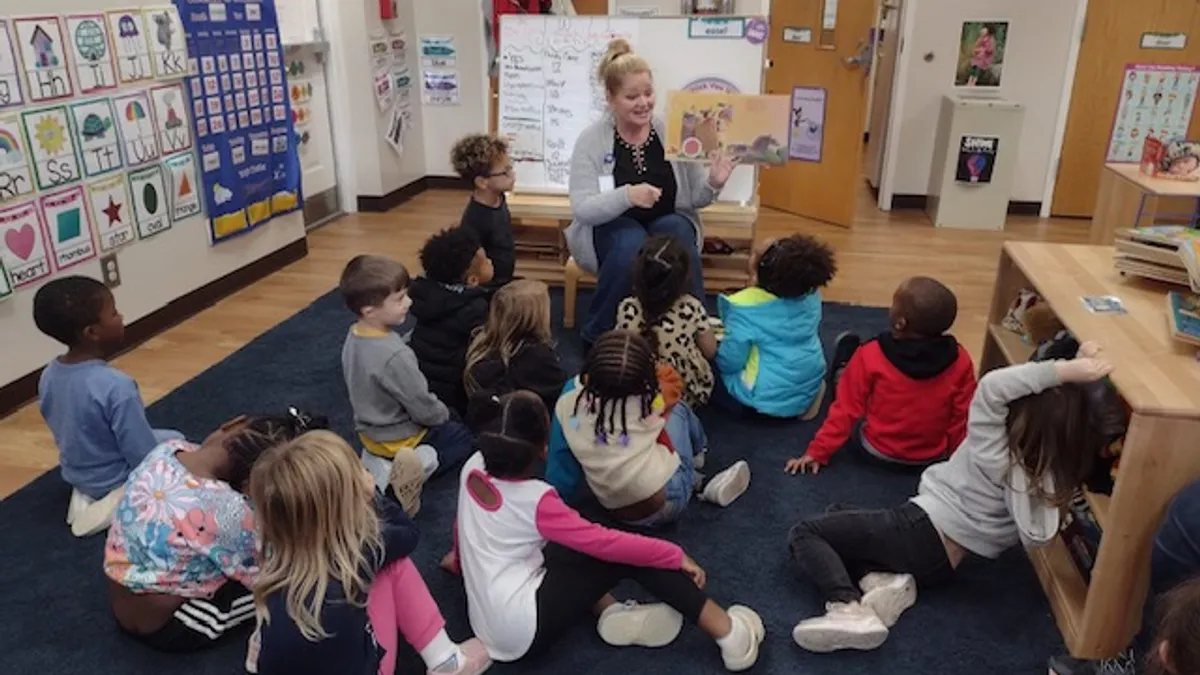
(241, 114)
(1154, 101)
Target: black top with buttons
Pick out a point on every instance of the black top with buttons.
(645, 163)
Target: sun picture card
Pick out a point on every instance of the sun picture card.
(68, 227)
(168, 45)
(112, 212)
(171, 123)
(147, 187)
(52, 147)
(139, 138)
(183, 187)
(16, 169)
(11, 93)
(42, 44)
(753, 128)
(91, 52)
(95, 129)
(23, 244)
(131, 45)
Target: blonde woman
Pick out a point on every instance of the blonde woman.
(336, 584)
(623, 189)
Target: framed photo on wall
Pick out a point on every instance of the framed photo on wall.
(981, 48)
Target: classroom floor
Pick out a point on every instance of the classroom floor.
(873, 257)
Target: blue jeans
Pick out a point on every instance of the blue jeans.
(454, 443)
(688, 437)
(617, 244)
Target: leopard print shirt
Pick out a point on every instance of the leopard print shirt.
(676, 335)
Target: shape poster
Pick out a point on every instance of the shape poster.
(806, 139)
(131, 45)
(139, 137)
(170, 118)
(23, 244)
(90, 53)
(6, 288)
(43, 56)
(1155, 101)
(16, 171)
(53, 147)
(168, 46)
(241, 115)
(96, 133)
(183, 192)
(148, 190)
(750, 127)
(68, 228)
(112, 212)
(10, 70)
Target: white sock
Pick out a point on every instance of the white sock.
(441, 654)
(429, 459)
(738, 640)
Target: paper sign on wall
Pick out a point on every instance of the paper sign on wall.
(10, 70)
(54, 158)
(149, 190)
(806, 138)
(170, 118)
(438, 52)
(96, 132)
(23, 244)
(168, 48)
(185, 198)
(90, 52)
(16, 173)
(112, 212)
(6, 289)
(440, 87)
(976, 159)
(383, 89)
(68, 228)
(43, 58)
(139, 138)
(132, 48)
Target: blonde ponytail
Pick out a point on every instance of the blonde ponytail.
(618, 62)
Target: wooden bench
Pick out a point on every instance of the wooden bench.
(539, 222)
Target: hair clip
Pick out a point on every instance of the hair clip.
(301, 420)
(495, 399)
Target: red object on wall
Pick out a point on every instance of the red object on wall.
(513, 7)
(387, 9)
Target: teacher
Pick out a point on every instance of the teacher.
(623, 189)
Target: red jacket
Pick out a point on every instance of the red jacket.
(913, 396)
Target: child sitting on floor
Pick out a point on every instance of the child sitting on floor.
(94, 411)
(449, 303)
(533, 567)
(669, 317)
(636, 450)
(482, 159)
(770, 359)
(514, 350)
(406, 431)
(1031, 443)
(910, 387)
(336, 558)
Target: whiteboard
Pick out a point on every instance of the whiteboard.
(549, 93)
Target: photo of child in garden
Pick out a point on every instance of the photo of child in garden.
(981, 54)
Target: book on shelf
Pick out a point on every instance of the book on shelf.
(1183, 314)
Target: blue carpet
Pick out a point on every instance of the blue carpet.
(54, 606)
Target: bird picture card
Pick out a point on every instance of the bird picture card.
(55, 162)
(139, 138)
(170, 118)
(112, 212)
(16, 174)
(68, 228)
(10, 70)
(181, 174)
(96, 134)
(43, 57)
(131, 45)
(148, 190)
(23, 244)
(752, 128)
(168, 48)
(91, 53)
(6, 288)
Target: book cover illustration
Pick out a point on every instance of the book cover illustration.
(1183, 313)
(752, 128)
(1175, 160)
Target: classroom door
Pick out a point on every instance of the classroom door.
(314, 132)
(820, 49)
(1112, 39)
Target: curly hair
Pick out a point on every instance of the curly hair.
(367, 280)
(620, 365)
(63, 308)
(475, 155)
(516, 435)
(796, 266)
(661, 274)
(927, 305)
(448, 255)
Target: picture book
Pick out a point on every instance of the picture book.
(1174, 160)
(754, 129)
(1183, 313)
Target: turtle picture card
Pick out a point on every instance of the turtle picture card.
(91, 52)
(23, 244)
(170, 118)
(112, 212)
(168, 46)
(68, 227)
(95, 129)
(131, 45)
(11, 94)
(139, 138)
(148, 189)
(52, 147)
(42, 44)
(16, 171)
(182, 185)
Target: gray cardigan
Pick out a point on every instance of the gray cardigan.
(592, 158)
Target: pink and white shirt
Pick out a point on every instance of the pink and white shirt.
(500, 552)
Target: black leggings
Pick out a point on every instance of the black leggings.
(575, 582)
(836, 549)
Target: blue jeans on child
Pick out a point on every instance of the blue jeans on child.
(688, 437)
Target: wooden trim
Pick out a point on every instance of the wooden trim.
(918, 202)
(385, 203)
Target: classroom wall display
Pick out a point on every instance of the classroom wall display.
(168, 46)
(170, 118)
(95, 130)
(23, 244)
(47, 132)
(43, 58)
(752, 128)
(248, 152)
(131, 45)
(1155, 101)
(981, 54)
(135, 126)
(6, 288)
(91, 55)
(148, 190)
(112, 212)
(976, 159)
(807, 134)
(16, 173)
(10, 70)
(181, 186)
(68, 227)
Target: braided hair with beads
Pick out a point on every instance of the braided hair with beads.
(261, 433)
(620, 365)
(661, 275)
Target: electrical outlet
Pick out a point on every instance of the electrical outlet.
(109, 271)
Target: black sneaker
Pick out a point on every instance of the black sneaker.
(1124, 663)
(843, 350)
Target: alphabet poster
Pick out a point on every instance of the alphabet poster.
(68, 227)
(6, 289)
(149, 190)
(54, 158)
(170, 118)
(1155, 101)
(139, 138)
(131, 45)
(16, 173)
(10, 71)
(23, 244)
(112, 211)
(168, 46)
(90, 53)
(185, 197)
(96, 132)
(43, 57)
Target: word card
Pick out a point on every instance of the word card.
(96, 133)
(43, 58)
(54, 158)
(16, 174)
(68, 228)
(10, 71)
(149, 191)
(139, 140)
(112, 212)
(23, 244)
(131, 44)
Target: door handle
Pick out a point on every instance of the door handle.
(861, 58)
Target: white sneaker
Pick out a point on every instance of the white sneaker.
(728, 485)
(844, 626)
(752, 623)
(888, 594)
(630, 623)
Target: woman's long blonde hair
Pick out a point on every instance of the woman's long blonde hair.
(619, 62)
(519, 315)
(315, 509)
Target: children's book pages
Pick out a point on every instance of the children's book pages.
(754, 129)
(1189, 252)
(1183, 314)
(1173, 160)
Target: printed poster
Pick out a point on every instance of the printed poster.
(750, 127)
(181, 185)
(23, 244)
(398, 44)
(440, 87)
(438, 52)
(10, 70)
(383, 89)
(90, 53)
(806, 139)
(381, 54)
(170, 118)
(981, 48)
(68, 228)
(136, 129)
(53, 147)
(96, 133)
(401, 119)
(976, 159)
(1155, 101)
(43, 58)
(131, 45)
(149, 190)
(112, 212)
(168, 47)
(16, 170)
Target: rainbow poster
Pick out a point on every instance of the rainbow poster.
(16, 174)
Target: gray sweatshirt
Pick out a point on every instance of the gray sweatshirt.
(979, 498)
(390, 396)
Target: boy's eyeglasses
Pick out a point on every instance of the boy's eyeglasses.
(508, 171)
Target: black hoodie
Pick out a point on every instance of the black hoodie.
(920, 358)
(446, 317)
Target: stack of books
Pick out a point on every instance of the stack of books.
(1157, 252)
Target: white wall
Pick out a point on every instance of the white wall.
(155, 271)
(1037, 69)
(671, 7)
